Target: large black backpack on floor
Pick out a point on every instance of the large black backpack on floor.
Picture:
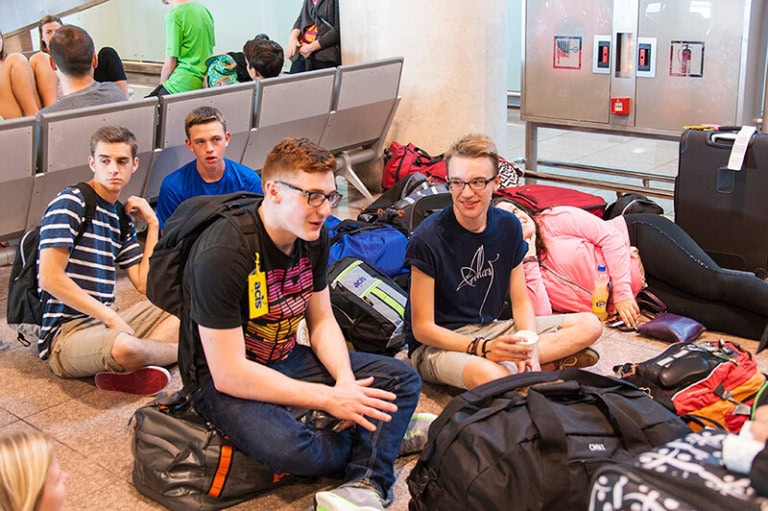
(184, 463)
(532, 441)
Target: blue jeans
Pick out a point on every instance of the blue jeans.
(272, 435)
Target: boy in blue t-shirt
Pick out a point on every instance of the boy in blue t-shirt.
(210, 173)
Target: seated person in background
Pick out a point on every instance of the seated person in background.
(74, 59)
(209, 173)
(569, 243)
(83, 334)
(48, 88)
(264, 57)
(261, 58)
(109, 67)
(30, 475)
(17, 85)
(245, 369)
(189, 41)
(465, 261)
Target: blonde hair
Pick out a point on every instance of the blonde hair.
(474, 146)
(25, 458)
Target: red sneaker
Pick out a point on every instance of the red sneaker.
(146, 381)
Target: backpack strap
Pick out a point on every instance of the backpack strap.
(90, 208)
(125, 221)
(91, 200)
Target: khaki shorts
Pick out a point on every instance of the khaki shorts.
(82, 347)
(447, 367)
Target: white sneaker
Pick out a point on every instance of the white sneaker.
(354, 496)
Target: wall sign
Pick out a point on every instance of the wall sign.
(566, 53)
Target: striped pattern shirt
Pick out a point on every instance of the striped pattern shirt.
(91, 263)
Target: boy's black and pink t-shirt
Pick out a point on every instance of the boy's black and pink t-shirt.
(216, 282)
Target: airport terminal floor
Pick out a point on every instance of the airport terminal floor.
(92, 429)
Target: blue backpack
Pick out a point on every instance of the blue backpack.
(380, 245)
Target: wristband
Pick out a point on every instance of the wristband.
(484, 348)
(472, 346)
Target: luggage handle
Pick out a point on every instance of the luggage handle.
(717, 137)
(632, 437)
(553, 446)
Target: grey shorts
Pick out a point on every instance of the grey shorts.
(83, 346)
(447, 367)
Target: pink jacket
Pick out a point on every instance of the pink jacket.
(575, 243)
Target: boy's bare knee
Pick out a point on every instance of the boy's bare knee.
(593, 327)
(126, 351)
(481, 371)
(585, 327)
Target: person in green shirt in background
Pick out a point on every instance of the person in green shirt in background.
(189, 40)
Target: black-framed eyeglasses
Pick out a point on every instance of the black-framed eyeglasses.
(457, 185)
(316, 199)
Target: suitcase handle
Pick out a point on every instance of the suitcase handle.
(717, 137)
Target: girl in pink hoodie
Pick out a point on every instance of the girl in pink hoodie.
(566, 244)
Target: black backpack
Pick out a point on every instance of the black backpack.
(399, 190)
(533, 441)
(183, 462)
(368, 306)
(185, 225)
(25, 303)
(420, 197)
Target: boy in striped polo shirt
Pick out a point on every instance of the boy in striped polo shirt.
(83, 333)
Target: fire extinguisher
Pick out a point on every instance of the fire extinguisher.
(685, 60)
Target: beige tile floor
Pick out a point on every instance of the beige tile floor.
(92, 429)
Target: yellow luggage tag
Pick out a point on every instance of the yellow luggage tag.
(258, 303)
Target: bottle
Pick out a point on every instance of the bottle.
(600, 294)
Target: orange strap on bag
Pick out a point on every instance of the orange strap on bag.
(225, 461)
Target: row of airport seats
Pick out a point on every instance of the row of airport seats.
(347, 110)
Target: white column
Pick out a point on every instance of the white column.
(454, 78)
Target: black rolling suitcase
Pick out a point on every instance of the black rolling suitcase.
(725, 211)
(686, 474)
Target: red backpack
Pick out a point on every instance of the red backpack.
(706, 382)
(401, 160)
